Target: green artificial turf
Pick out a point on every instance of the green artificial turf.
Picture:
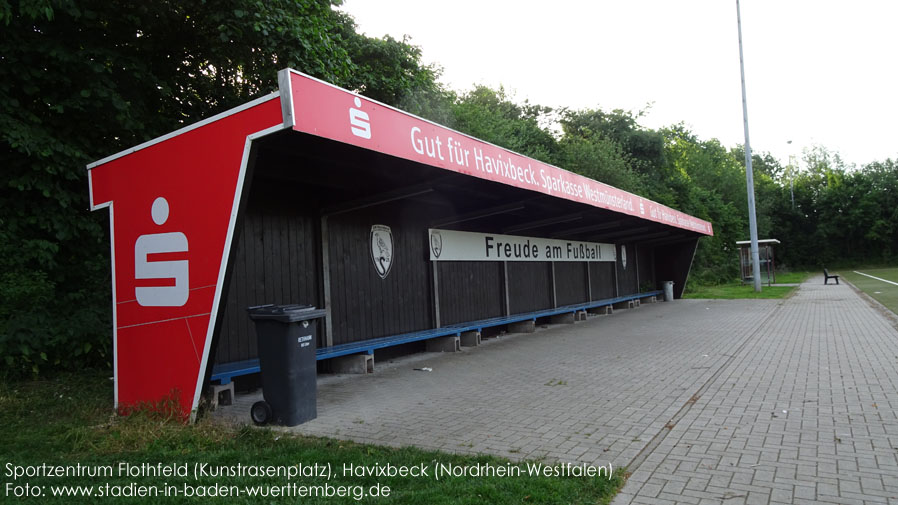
(883, 292)
(68, 421)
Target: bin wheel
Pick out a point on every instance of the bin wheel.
(260, 412)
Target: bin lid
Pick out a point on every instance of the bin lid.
(285, 313)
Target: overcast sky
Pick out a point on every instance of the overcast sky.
(817, 72)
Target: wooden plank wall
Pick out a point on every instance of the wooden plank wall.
(571, 283)
(363, 305)
(647, 269)
(672, 263)
(601, 276)
(626, 277)
(529, 286)
(276, 261)
(470, 290)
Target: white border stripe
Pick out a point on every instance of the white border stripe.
(114, 317)
(230, 112)
(877, 278)
(222, 270)
(90, 186)
(285, 86)
(90, 190)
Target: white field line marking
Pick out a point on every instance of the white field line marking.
(877, 278)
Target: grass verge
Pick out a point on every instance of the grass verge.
(737, 290)
(67, 421)
(792, 277)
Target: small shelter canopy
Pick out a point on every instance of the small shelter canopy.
(765, 256)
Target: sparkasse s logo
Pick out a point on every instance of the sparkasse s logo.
(359, 121)
(172, 272)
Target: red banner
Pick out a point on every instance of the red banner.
(324, 110)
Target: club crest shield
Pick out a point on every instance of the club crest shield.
(623, 256)
(381, 249)
(436, 243)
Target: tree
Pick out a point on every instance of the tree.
(644, 147)
(706, 180)
(80, 81)
(611, 147)
(491, 115)
(390, 71)
(601, 160)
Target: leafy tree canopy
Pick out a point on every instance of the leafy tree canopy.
(82, 80)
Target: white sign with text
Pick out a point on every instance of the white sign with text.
(451, 245)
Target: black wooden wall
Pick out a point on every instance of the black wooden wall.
(529, 286)
(276, 261)
(470, 290)
(646, 269)
(571, 283)
(626, 275)
(363, 305)
(601, 276)
(672, 263)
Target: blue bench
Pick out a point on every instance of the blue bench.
(223, 373)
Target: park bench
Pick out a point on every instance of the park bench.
(827, 277)
(223, 373)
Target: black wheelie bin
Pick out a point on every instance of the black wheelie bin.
(286, 336)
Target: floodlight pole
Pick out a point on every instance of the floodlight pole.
(791, 174)
(749, 175)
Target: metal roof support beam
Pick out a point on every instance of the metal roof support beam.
(476, 190)
(543, 222)
(629, 232)
(581, 229)
(675, 239)
(480, 214)
(661, 236)
(379, 199)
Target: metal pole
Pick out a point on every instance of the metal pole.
(749, 175)
(791, 173)
(326, 279)
(436, 294)
(792, 189)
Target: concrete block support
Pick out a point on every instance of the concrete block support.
(522, 327)
(629, 304)
(444, 344)
(222, 394)
(354, 363)
(566, 318)
(470, 339)
(606, 310)
(580, 315)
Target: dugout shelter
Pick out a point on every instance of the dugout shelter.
(403, 230)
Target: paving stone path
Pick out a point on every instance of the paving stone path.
(705, 401)
(805, 413)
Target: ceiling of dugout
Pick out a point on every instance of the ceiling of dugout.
(330, 178)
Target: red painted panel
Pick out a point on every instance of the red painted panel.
(171, 204)
(147, 375)
(337, 114)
